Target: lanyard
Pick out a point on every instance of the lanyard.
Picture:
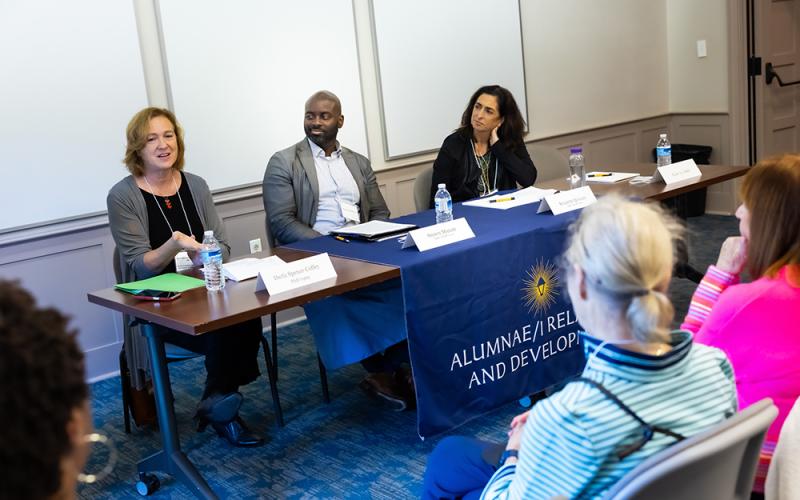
(496, 169)
(183, 207)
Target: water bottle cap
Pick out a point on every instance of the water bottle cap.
(441, 186)
(662, 136)
(575, 151)
(210, 232)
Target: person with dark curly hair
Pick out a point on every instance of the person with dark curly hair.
(486, 153)
(44, 401)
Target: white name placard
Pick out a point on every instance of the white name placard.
(439, 235)
(567, 201)
(685, 170)
(284, 277)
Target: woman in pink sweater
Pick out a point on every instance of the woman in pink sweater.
(757, 324)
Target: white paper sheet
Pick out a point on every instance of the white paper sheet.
(510, 200)
(245, 269)
(608, 177)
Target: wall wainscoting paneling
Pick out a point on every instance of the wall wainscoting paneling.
(60, 265)
(60, 272)
(612, 150)
(710, 130)
(629, 142)
(399, 184)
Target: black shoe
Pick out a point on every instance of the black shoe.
(238, 434)
(382, 386)
(404, 380)
(217, 408)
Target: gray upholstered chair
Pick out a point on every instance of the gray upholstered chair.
(718, 464)
(550, 163)
(422, 190)
(172, 351)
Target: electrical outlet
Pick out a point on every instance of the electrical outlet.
(255, 245)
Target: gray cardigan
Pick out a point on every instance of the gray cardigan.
(291, 192)
(128, 221)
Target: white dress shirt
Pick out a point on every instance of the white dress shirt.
(336, 186)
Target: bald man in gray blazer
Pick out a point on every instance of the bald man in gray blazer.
(317, 186)
(308, 191)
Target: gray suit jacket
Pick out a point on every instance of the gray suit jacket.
(291, 192)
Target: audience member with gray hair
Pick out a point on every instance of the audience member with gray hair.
(581, 440)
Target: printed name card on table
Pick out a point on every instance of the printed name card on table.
(439, 235)
(567, 201)
(285, 277)
(678, 172)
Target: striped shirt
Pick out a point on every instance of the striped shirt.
(708, 291)
(756, 325)
(571, 439)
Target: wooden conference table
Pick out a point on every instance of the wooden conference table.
(712, 174)
(198, 312)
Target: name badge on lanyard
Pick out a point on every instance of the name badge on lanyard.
(350, 212)
(183, 262)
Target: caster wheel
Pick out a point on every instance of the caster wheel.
(147, 484)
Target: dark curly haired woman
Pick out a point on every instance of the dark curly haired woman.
(44, 406)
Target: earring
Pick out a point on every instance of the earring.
(111, 461)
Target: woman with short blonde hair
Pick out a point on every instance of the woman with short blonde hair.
(643, 387)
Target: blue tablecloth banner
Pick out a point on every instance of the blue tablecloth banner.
(487, 319)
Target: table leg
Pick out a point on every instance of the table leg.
(171, 459)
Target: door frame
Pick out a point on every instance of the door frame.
(737, 81)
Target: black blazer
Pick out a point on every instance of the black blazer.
(455, 166)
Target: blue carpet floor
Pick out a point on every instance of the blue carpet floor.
(350, 448)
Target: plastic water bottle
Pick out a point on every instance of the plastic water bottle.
(663, 151)
(443, 204)
(212, 262)
(577, 168)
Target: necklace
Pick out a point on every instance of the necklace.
(483, 165)
(169, 205)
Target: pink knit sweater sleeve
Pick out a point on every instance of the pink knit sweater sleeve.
(708, 291)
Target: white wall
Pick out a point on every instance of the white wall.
(587, 64)
(697, 84)
(617, 39)
(590, 64)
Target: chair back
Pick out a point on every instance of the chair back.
(550, 163)
(118, 277)
(422, 190)
(719, 463)
(268, 229)
(117, 266)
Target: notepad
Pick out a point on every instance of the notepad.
(518, 198)
(245, 269)
(374, 230)
(168, 282)
(608, 177)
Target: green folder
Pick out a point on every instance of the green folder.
(169, 282)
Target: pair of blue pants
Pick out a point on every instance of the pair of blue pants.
(460, 467)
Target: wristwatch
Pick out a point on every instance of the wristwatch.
(506, 455)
